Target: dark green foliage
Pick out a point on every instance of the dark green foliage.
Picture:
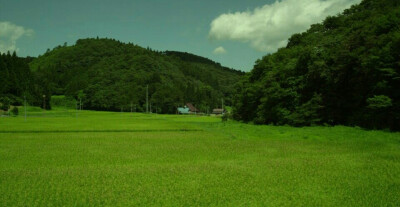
(307, 113)
(5, 103)
(379, 102)
(343, 71)
(187, 57)
(63, 102)
(15, 111)
(110, 75)
(17, 80)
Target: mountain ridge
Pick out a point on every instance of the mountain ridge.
(120, 68)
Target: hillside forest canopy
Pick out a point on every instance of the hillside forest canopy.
(110, 75)
(343, 71)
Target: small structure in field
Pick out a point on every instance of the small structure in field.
(183, 110)
(188, 109)
(192, 109)
(218, 111)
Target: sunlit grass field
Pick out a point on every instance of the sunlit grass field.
(64, 158)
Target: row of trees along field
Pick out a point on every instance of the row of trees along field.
(18, 82)
(345, 70)
(110, 75)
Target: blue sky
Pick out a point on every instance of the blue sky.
(235, 33)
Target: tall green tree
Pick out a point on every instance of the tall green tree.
(342, 71)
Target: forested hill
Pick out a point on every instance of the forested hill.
(345, 70)
(110, 74)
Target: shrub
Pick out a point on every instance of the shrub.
(15, 111)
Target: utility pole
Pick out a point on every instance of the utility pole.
(147, 99)
(223, 106)
(25, 106)
(44, 102)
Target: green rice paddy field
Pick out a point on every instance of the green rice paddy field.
(123, 159)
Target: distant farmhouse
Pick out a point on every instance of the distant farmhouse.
(218, 111)
(188, 109)
(183, 110)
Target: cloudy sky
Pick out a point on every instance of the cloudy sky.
(235, 33)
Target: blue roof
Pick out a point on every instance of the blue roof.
(184, 110)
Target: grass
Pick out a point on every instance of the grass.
(124, 159)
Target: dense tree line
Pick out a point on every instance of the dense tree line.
(345, 71)
(17, 82)
(110, 75)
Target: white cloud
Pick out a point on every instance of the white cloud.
(267, 28)
(219, 51)
(9, 34)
